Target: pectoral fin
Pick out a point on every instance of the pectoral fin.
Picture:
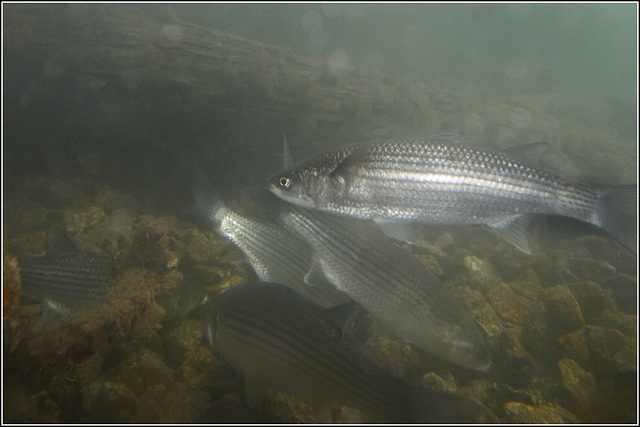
(315, 276)
(514, 231)
(530, 153)
(402, 231)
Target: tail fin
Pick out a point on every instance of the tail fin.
(427, 406)
(208, 207)
(616, 212)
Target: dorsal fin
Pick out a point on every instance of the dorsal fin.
(287, 160)
(529, 153)
(61, 243)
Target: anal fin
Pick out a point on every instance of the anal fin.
(402, 231)
(315, 276)
(514, 231)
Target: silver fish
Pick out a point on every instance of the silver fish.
(390, 283)
(438, 181)
(67, 282)
(275, 254)
(280, 340)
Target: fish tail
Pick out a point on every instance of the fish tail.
(427, 406)
(208, 206)
(616, 212)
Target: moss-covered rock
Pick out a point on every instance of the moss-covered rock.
(509, 306)
(287, 409)
(591, 269)
(563, 309)
(625, 323)
(431, 263)
(483, 313)
(208, 274)
(141, 370)
(108, 402)
(443, 381)
(509, 262)
(612, 351)
(201, 368)
(398, 358)
(539, 337)
(175, 404)
(589, 296)
(78, 220)
(517, 365)
(624, 289)
(580, 385)
(188, 335)
(574, 346)
(521, 413)
(480, 273)
(38, 408)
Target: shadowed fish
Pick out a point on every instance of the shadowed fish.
(281, 340)
(67, 282)
(387, 281)
(436, 181)
(274, 253)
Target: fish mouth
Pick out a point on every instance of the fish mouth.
(291, 196)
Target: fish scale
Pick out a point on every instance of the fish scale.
(443, 170)
(275, 254)
(390, 283)
(281, 340)
(432, 181)
(68, 279)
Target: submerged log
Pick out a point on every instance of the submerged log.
(200, 74)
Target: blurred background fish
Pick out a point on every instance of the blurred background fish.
(388, 281)
(275, 253)
(280, 340)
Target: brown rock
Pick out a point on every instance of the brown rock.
(574, 346)
(591, 269)
(431, 263)
(444, 382)
(108, 402)
(538, 336)
(521, 413)
(398, 358)
(563, 309)
(188, 335)
(580, 384)
(288, 409)
(201, 367)
(625, 323)
(89, 369)
(624, 289)
(141, 370)
(518, 364)
(612, 351)
(527, 289)
(589, 296)
(480, 273)
(483, 313)
(509, 306)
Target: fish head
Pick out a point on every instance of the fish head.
(311, 183)
(467, 349)
(300, 187)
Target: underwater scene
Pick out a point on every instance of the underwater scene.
(320, 213)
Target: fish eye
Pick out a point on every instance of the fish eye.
(285, 182)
